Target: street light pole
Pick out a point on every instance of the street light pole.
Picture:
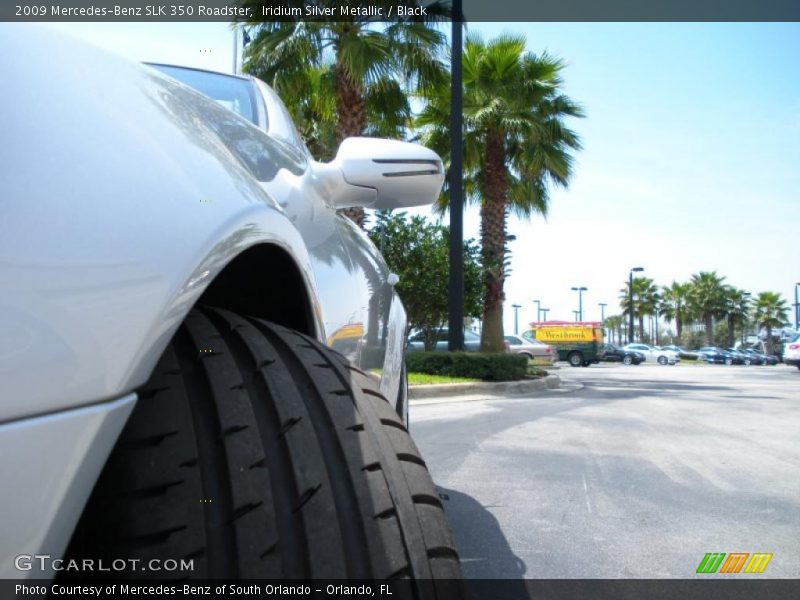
(456, 284)
(516, 308)
(602, 306)
(544, 313)
(538, 310)
(630, 301)
(576, 313)
(656, 325)
(580, 291)
(746, 320)
(796, 308)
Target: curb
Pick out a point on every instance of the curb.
(502, 388)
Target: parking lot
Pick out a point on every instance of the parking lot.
(627, 472)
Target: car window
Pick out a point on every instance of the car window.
(528, 335)
(417, 337)
(234, 93)
(281, 124)
(261, 154)
(513, 341)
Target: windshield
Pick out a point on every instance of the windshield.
(234, 93)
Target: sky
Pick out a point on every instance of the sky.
(690, 159)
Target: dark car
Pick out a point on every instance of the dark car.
(767, 359)
(712, 354)
(747, 358)
(627, 357)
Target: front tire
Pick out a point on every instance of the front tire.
(729, 361)
(662, 360)
(260, 453)
(575, 359)
(628, 360)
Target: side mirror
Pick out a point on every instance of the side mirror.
(385, 174)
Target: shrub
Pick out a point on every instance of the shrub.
(486, 366)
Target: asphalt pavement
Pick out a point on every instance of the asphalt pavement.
(627, 472)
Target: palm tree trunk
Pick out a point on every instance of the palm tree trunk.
(641, 327)
(493, 243)
(708, 320)
(769, 339)
(350, 122)
(678, 328)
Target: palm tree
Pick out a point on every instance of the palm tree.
(516, 145)
(645, 300)
(614, 325)
(770, 311)
(675, 305)
(707, 299)
(737, 307)
(347, 78)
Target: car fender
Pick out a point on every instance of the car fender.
(119, 207)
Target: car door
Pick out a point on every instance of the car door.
(352, 277)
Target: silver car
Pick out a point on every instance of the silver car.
(172, 275)
(416, 341)
(533, 349)
(655, 353)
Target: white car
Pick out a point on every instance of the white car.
(533, 349)
(791, 353)
(655, 353)
(172, 275)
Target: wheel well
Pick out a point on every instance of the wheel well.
(264, 281)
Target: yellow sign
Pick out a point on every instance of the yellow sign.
(565, 334)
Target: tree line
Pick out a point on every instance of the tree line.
(705, 300)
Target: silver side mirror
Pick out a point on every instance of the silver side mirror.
(384, 174)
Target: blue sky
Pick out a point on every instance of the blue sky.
(690, 159)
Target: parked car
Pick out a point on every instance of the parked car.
(746, 358)
(655, 354)
(767, 359)
(791, 354)
(627, 357)
(170, 274)
(683, 353)
(531, 348)
(416, 341)
(715, 355)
